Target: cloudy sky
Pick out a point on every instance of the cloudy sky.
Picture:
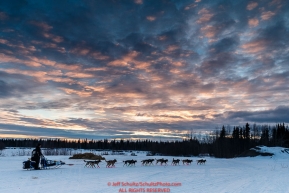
(141, 68)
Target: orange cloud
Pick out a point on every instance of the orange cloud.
(267, 15)
(95, 88)
(43, 61)
(79, 93)
(171, 61)
(78, 75)
(171, 48)
(70, 67)
(5, 58)
(252, 5)
(55, 73)
(253, 22)
(32, 63)
(129, 61)
(96, 69)
(254, 46)
(120, 63)
(40, 75)
(62, 80)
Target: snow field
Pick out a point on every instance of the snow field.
(238, 175)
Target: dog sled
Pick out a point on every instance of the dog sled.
(45, 164)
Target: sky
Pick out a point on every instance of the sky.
(141, 68)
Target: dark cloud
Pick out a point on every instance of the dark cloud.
(48, 132)
(4, 89)
(277, 115)
(227, 44)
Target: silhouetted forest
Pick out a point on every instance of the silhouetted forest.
(226, 142)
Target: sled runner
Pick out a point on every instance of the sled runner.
(45, 164)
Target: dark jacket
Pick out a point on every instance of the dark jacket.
(36, 153)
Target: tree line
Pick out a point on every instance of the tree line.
(226, 142)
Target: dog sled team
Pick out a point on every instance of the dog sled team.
(145, 162)
(38, 158)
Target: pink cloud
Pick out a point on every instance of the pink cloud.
(86, 51)
(40, 75)
(42, 25)
(77, 92)
(130, 60)
(57, 39)
(55, 73)
(205, 16)
(32, 63)
(190, 6)
(54, 38)
(25, 50)
(203, 11)
(171, 48)
(5, 58)
(70, 67)
(267, 15)
(209, 31)
(253, 22)
(42, 61)
(252, 5)
(80, 51)
(99, 56)
(254, 46)
(138, 1)
(162, 38)
(95, 69)
(78, 75)
(2, 41)
(151, 18)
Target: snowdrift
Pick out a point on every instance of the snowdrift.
(266, 151)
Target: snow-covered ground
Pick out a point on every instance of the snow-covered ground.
(251, 174)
